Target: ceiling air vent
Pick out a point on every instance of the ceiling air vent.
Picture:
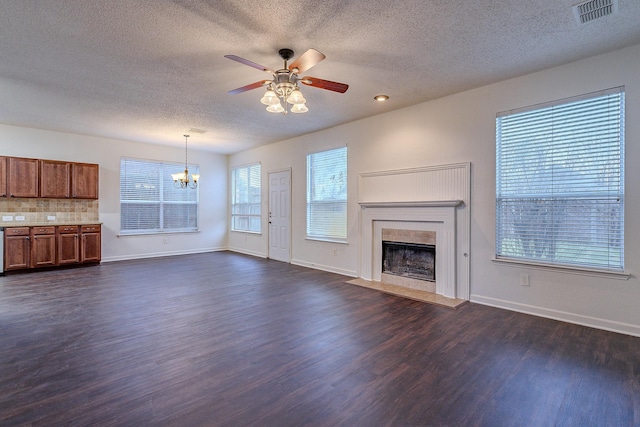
(590, 10)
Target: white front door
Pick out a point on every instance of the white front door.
(280, 215)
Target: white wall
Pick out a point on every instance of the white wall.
(36, 143)
(461, 128)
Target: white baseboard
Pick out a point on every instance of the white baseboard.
(593, 322)
(246, 252)
(328, 268)
(160, 254)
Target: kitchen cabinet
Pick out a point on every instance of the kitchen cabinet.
(43, 246)
(52, 179)
(84, 180)
(55, 179)
(90, 243)
(3, 176)
(68, 245)
(50, 246)
(22, 177)
(17, 248)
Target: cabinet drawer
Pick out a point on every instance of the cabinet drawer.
(90, 228)
(16, 231)
(67, 229)
(44, 230)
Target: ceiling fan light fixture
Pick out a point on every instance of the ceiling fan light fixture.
(299, 108)
(270, 98)
(275, 108)
(296, 97)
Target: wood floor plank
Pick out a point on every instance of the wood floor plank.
(231, 340)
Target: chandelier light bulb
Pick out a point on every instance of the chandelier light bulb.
(296, 97)
(299, 108)
(275, 108)
(270, 98)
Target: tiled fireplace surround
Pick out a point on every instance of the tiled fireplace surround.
(437, 217)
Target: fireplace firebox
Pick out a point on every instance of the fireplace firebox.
(411, 260)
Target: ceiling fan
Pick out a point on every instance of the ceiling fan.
(283, 88)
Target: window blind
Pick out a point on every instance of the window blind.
(246, 198)
(560, 182)
(150, 203)
(327, 194)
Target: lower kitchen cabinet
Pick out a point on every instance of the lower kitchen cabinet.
(43, 247)
(68, 245)
(90, 244)
(50, 246)
(17, 248)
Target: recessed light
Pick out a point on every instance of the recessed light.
(381, 98)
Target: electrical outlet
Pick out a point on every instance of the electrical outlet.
(51, 217)
(524, 280)
(335, 252)
(165, 241)
(19, 217)
(7, 217)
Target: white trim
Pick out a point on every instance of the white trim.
(323, 267)
(620, 275)
(161, 254)
(563, 316)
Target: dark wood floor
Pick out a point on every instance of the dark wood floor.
(224, 339)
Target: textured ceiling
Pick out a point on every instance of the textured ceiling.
(151, 70)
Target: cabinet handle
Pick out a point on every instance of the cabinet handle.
(27, 237)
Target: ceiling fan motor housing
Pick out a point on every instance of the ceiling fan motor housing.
(286, 54)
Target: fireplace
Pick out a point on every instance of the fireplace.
(422, 223)
(411, 260)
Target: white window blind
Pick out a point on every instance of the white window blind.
(560, 182)
(327, 195)
(149, 202)
(246, 198)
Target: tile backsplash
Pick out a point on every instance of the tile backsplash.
(38, 210)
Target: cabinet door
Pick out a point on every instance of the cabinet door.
(3, 176)
(90, 244)
(68, 247)
(55, 179)
(17, 248)
(84, 180)
(22, 177)
(43, 250)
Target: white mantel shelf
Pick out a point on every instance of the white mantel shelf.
(419, 204)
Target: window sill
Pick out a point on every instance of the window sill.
(327, 240)
(157, 233)
(257, 233)
(619, 275)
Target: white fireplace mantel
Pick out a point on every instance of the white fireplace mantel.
(437, 216)
(435, 198)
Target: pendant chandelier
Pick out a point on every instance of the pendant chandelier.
(181, 180)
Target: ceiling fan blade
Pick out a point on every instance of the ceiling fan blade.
(307, 60)
(325, 84)
(255, 85)
(249, 63)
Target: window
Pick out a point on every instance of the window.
(246, 199)
(149, 202)
(327, 195)
(560, 182)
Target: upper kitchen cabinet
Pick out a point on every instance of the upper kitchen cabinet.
(55, 179)
(84, 180)
(22, 177)
(3, 176)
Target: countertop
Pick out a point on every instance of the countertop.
(46, 224)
